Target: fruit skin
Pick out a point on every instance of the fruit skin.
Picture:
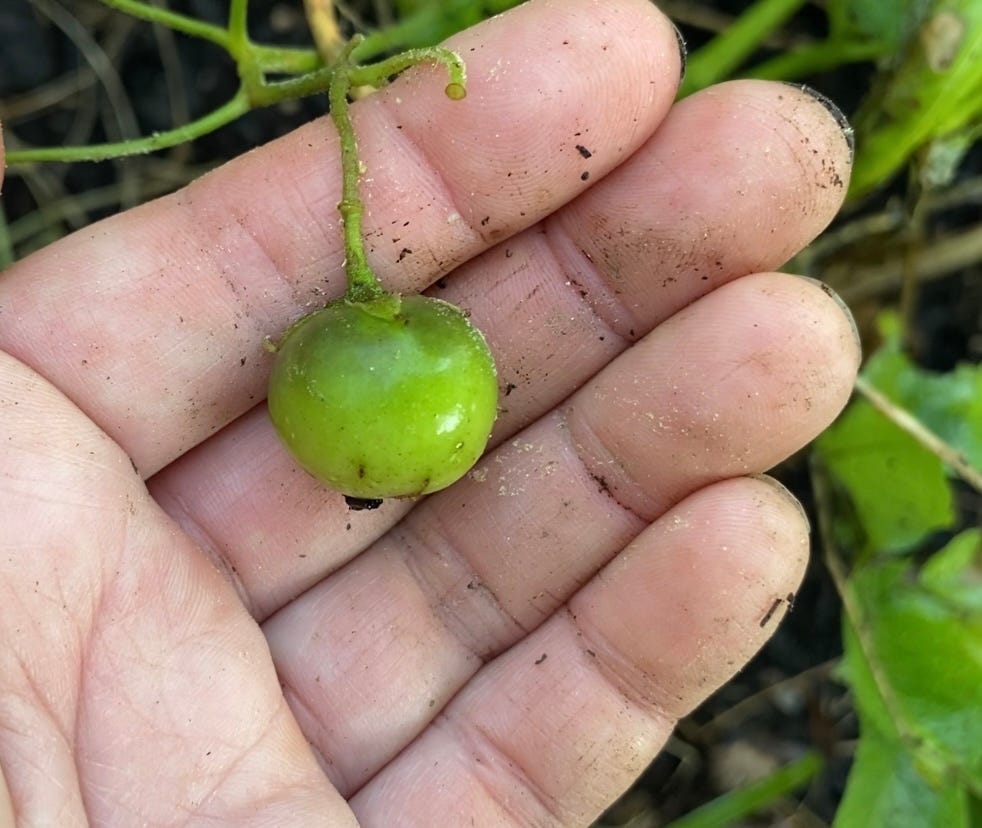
(390, 397)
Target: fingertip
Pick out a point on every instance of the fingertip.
(837, 115)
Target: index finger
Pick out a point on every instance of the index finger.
(153, 321)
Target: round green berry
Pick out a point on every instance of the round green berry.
(390, 397)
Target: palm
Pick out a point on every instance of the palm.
(463, 656)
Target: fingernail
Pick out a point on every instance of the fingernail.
(778, 486)
(835, 112)
(841, 303)
(683, 52)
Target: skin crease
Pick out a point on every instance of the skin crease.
(216, 639)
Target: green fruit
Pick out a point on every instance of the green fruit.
(391, 397)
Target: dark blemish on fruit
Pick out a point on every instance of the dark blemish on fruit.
(583, 151)
(542, 658)
(485, 220)
(509, 252)
(347, 527)
(361, 472)
(770, 613)
(242, 361)
(509, 387)
(403, 253)
(585, 176)
(441, 283)
(591, 653)
(359, 504)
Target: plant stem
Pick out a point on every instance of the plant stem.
(292, 60)
(267, 94)
(923, 435)
(375, 74)
(172, 20)
(743, 802)
(289, 60)
(225, 114)
(819, 57)
(363, 285)
(720, 57)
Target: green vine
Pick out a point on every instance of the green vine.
(255, 64)
(363, 285)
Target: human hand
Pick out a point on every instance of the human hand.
(185, 613)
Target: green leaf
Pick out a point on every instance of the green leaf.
(899, 489)
(913, 658)
(954, 574)
(891, 21)
(885, 790)
(934, 91)
(949, 404)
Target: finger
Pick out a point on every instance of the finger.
(728, 387)
(594, 693)
(557, 303)
(6, 803)
(134, 688)
(153, 321)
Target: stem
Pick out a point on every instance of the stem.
(921, 433)
(239, 47)
(238, 26)
(819, 57)
(267, 94)
(172, 20)
(254, 62)
(225, 114)
(743, 802)
(322, 20)
(289, 60)
(292, 60)
(374, 74)
(724, 53)
(363, 285)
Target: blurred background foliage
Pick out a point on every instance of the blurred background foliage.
(866, 708)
